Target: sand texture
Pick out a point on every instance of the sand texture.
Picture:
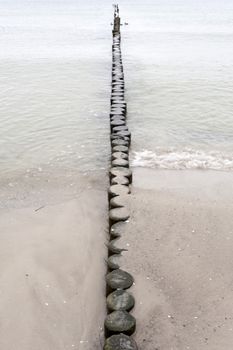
(52, 275)
(180, 252)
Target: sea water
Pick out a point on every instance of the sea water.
(55, 73)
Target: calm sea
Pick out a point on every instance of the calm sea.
(55, 66)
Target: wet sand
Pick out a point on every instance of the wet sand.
(52, 274)
(180, 241)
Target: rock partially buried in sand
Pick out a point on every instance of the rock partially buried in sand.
(120, 300)
(119, 279)
(120, 321)
(114, 261)
(117, 190)
(119, 155)
(120, 342)
(119, 214)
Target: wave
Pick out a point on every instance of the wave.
(182, 159)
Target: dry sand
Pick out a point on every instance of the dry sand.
(180, 241)
(52, 275)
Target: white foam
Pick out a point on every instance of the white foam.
(182, 159)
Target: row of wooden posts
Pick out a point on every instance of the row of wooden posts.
(119, 323)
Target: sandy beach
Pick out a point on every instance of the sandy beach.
(52, 274)
(180, 243)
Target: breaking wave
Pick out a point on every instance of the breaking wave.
(185, 159)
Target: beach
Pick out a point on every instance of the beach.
(55, 155)
(52, 270)
(179, 240)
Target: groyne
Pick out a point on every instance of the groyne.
(119, 323)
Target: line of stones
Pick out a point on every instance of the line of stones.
(119, 323)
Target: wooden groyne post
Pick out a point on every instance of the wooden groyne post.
(119, 323)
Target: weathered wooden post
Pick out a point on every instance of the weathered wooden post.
(119, 323)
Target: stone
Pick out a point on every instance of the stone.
(120, 300)
(120, 321)
(120, 342)
(119, 279)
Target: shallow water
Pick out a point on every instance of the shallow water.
(55, 84)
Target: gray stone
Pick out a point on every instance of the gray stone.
(120, 300)
(120, 321)
(120, 342)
